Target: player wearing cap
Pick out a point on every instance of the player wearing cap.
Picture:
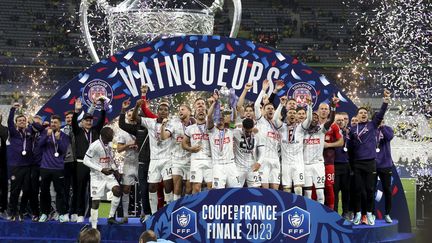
(248, 152)
(103, 175)
(84, 135)
(160, 167)
(53, 144)
(363, 149)
(180, 156)
(333, 139)
(222, 152)
(292, 135)
(266, 128)
(313, 146)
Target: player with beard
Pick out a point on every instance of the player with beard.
(362, 147)
(300, 114)
(103, 176)
(292, 135)
(221, 139)
(248, 152)
(271, 165)
(333, 139)
(313, 146)
(84, 135)
(342, 168)
(53, 144)
(196, 141)
(180, 156)
(126, 143)
(248, 110)
(160, 167)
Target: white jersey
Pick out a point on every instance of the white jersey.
(130, 156)
(246, 149)
(270, 137)
(198, 134)
(221, 145)
(159, 149)
(292, 143)
(313, 146)
(98, 157)
(178, 131)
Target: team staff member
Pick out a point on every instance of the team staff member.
(53, 144)
(19, 157)
(342, 168)
(4, 133)
(142, 142)
(384, 163)
(362, 147)
(84, 136)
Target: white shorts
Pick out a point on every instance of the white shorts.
(201, 170)
(270, 170)
(130, 175)
(314, 175)
(225, 175)
(252, 179)
(182, 169)
(98, 188)
(293, 173)
(160, 169)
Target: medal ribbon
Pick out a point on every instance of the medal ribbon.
(54, 142)
(221, 139)
(363, 131)
(23, 136)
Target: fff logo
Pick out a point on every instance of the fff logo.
(183, 222)
(295, 223)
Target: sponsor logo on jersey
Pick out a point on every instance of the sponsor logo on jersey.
(273, 135)
(225, 141)
(200, 137)
(311, 141)
(301, 92)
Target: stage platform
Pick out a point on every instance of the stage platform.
(54, 231)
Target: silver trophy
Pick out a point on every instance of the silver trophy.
(132, 22)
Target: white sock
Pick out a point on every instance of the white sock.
(176, 197)
(308, 193)
(125, 205)
(94, 214)
(298, 190)
(153, 200)
(114, 204)
(168, 197)
(320, 195)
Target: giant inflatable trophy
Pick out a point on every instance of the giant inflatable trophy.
(133, 22)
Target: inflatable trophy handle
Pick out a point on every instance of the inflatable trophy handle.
(128, 4)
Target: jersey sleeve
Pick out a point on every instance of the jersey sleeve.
(336, 131)
(121, 139)
(147, 122)
(91, 159)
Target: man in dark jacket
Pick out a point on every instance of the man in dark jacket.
(84, 136)
(3, 169)
(142, 141)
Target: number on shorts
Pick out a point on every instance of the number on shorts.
(320, 179)
(330, 177)
(301, 176)
(169, 171)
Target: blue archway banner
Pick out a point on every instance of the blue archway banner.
(187, 63)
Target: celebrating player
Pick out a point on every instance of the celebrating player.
(221, 144)
(265, 124)
(292, 135)
(313, 146)
(160, 167)
(103, 175)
